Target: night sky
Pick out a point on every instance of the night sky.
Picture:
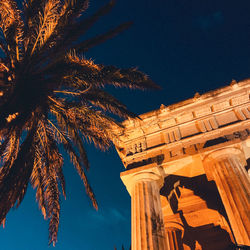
(185, 46)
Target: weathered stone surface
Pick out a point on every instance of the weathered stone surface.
(226, 168)
(148, 230)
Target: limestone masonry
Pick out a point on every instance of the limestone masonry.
(186, 172)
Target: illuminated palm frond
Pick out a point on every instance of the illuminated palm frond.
(11, 26)
(52, 99)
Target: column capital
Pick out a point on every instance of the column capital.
(155, 174)
(224, 153)
(147, 176)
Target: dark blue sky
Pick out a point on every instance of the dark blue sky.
(186, 46)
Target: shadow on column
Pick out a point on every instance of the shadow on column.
(248, 165)
(209, 236)
(206, 190)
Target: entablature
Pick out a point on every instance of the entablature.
(187, 128)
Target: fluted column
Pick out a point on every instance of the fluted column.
(174, 238)
(147, 220)
(226, 168)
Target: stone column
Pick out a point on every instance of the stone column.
(174, 238)
(226, 168)
(148, 230)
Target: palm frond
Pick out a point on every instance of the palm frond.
(11, 25)
(52, 196)
(3, 45)
(75, 31)
(92, 42)
(14, 181)
(80, 170)
(69, 129)
(38, 182)
(47, 23)
(11, 151)
(67, 31)
(52, 100)
(107, 102)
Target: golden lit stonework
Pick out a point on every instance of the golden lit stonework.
(186, 171)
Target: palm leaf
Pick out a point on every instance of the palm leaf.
(92, 42)
(14, 183)
(47, 23)
(107, 102)
(52, 100)
(80, 170)
(11, 25)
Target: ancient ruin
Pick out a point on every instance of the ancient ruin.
(186, 172)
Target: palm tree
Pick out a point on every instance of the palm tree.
(52, 98)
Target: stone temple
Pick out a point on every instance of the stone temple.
(186, 172)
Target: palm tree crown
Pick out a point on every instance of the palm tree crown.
(53, 98)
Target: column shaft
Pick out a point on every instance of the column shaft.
(174, 239)
(233, 185)
(147, 220)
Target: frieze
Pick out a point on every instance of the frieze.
(168, 123)
(220, 106)
(242, 113)
(172, 135)
(187, 116)
(179, 150)
(211, 120)
(239, 100)
(246, 112)
(202, 112)
(178, 133)
(137, 147)
(207, 124)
